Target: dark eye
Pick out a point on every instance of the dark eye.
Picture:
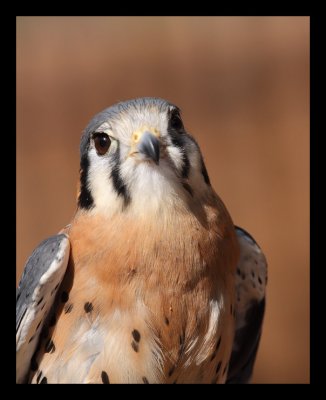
(175, 121)
(102, 143)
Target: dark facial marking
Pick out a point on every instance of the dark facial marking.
(44, 380)
(166, 320)
(88, 307)
(259, 280)
(105, 377)
(31, 339)
(175, 120)
(85, 199)
(136, 335)
(145, 380)
(117, 180)
(171, 370)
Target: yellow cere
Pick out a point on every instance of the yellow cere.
(139, 133)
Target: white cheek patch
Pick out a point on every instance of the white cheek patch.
(99, 181)
(175, 155)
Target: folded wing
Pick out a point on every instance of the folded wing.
(42, 276)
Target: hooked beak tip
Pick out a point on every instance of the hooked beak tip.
(149, 146)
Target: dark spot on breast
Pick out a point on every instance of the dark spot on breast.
(218, 367)
(171, 370)
(136, 335)
(88, 307)
(134, 345)
(174, 382)
(166, 320)
(18, 296)
(44, 380)
(68, 308)
(243, 276)
(64, 297)
(52, 320)
(182, 343)
(238, 298)
(38, 325)
(42, 306)
(145, 380)
(259, 280)
(218, 343)
(31, 339)
(38, 377)
(45, 332)
(253, 274)
(34, 364)
(40, 301)
(49, 347)
(238, 271)
(105, 377)
(225, 368)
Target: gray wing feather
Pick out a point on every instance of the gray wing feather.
(35, 295)
(251, 279)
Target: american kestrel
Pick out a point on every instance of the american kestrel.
(151, 282)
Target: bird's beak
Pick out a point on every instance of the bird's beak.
(146, 144)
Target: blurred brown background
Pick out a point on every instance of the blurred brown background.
(243, 86)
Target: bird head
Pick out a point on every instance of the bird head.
(137, 156)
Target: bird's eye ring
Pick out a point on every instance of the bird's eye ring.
(175, 121)
(102, 143)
